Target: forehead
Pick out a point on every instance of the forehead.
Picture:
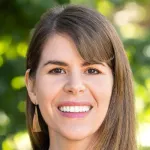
(60, 46)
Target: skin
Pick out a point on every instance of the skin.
(74, 82)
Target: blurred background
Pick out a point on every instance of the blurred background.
(17, 19)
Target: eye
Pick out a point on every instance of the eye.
(57, 71)
(93, 71)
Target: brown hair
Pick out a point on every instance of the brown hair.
(96, 40)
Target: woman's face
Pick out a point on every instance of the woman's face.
(73, 95)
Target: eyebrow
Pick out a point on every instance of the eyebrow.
(61, 63)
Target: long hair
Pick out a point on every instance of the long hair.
(97, 41)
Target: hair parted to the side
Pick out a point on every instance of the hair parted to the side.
(97, 41)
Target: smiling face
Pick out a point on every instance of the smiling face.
(73, 95)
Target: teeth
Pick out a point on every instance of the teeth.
(74, 108)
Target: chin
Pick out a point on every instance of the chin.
(76, 134)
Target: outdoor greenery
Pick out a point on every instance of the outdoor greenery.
(18, 17)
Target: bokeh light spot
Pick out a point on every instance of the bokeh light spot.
(132, 31)
(146, 51)
(144, 133)
(18, 82)
(21, 106)
(8, 144)
(105, 7)
(22, 141)
(22, 49)
(19, 141)
(3, 46)
(11, 53)
(4, 119)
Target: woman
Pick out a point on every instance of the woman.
(79, 84)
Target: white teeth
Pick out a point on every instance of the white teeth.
(67, 108)
(74, 108)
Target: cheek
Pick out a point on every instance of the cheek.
(102, 95)
(101, 88)
(48, 87)
(47, 90)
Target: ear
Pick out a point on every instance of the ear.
(30, 85)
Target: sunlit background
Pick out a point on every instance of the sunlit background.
(17, 19)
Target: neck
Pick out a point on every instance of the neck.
(57, 141)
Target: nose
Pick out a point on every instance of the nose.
(75, 85)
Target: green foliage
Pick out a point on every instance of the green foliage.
(17, 21)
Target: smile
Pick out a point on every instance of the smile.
(74, 108)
